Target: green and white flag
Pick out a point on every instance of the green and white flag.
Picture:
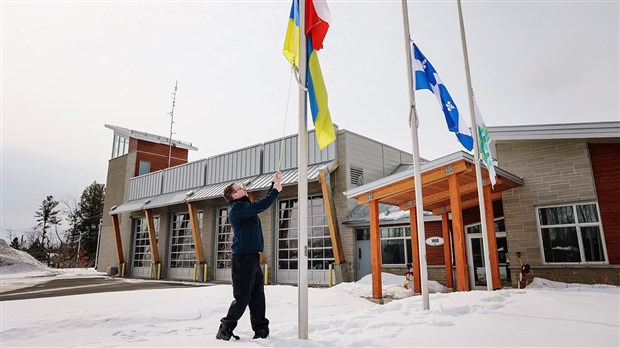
(484, 143)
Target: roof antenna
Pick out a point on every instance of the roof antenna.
(171, 113)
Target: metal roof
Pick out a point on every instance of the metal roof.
(129, 206)
(261, 182)
(589, 130)
(360, 215)
(257, 183)
(167, 199)
(130, 133)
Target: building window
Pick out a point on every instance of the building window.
(320, 252)
(396, 245)
(145, 167)
(142, 244)
(571, 233)
(120, 146)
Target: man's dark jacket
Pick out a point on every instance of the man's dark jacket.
(243, 218)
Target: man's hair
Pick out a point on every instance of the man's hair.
(228, 191)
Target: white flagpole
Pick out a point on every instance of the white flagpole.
(302, 167)
(413, 123)
(474, 128)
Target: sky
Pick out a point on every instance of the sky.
(69, 67)
(544, 314)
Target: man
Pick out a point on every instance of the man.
(247, 276)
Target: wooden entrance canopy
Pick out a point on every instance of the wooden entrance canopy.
(448, 185)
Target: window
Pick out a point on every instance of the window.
(396, 245)
(120, 146)
(571, 233)
(145, 167)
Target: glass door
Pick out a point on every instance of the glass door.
(475, 255)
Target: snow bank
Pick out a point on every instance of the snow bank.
(15, 263)
(392, 287)
(546, 284)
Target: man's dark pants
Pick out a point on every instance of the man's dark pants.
(248, 290)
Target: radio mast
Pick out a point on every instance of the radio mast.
(171, 113)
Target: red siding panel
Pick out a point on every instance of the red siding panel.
(605, 166)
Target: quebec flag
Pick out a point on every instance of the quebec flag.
(426, 77)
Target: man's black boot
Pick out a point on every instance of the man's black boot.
(225, 334)
(261, 333)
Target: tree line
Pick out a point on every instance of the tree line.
(76, 245)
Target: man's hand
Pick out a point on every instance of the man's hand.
(277, 179)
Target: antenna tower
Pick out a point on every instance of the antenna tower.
(171, 113)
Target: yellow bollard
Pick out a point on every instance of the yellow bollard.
(195, 271)
(330, 275)
(204, 276)
(151, 271)
(266, 274)
(159, 271)
(123, 269)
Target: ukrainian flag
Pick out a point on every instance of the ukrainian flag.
(291, 42)
(317, 93)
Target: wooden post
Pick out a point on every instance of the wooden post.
(152, 238)
(415, 252)
(332, 218)
(488, 211)
(462, 281)
(375, 250)
(193, 218)
(447, 255)
(117, 238)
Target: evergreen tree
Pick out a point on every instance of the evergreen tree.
(15, 244)
(47, 216)
(89, 213)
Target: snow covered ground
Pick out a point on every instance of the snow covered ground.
(545, 314)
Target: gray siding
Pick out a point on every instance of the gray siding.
(273, 150)
(377, 160)
(233, 165)
(184, 177)
(147, 185)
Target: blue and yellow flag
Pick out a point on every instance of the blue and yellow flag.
(317, 23)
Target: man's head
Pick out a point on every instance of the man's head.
(234, 191)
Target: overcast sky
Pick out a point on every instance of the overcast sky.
(70, 67)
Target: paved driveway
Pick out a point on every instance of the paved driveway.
(76, 286)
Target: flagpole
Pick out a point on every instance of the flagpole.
(470, 93)
(413, 124)
(302, 201)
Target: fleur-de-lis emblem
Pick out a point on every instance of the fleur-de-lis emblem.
(450, 106)
(424, 64)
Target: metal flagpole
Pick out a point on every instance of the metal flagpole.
(302, 167)
(413, 123)
(474, 128)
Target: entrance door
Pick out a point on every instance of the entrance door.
(362, 267)
(476, 262)
(362, 250)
